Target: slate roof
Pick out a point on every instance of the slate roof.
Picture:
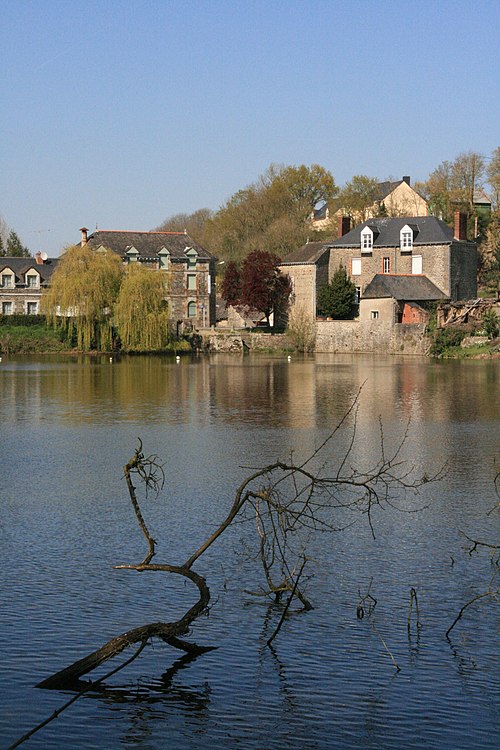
(402, 287)
(384, 188)
(148, 244)
(320, 213)
(308, 253)
(21, 265)
(427, 230)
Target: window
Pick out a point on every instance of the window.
(357, 295)
(32, 308)
(191, 282)
(32, 281)
(416, 264)
(191, 309)
(132, 254)
(374, 315)
(191, 255)
(6, 308)
(7, 281)
(406, 239)
(164, 257)
(366, 240)
(386, 265)
(356, 267)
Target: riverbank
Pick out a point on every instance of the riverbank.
(341, 337)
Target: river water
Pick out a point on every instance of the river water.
(67, 427)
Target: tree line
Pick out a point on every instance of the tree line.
(274, 212)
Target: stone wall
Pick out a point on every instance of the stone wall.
(370, 336)
(331, 336)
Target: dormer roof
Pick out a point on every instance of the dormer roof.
(148, 244)
(427, 230)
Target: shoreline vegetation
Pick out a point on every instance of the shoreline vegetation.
(37, 337)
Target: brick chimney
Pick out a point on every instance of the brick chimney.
(84, 231)
(407, 179)
(460, 232)
(38, 258)
(344, 225)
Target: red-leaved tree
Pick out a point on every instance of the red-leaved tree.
(263, 286)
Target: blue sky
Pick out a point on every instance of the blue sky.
(120, 114)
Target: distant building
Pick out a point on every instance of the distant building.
(393, 198)
(22, 282)
(191, 268)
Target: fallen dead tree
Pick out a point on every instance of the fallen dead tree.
(287, 502)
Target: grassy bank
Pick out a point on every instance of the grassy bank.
(29, 334)
(33, 339)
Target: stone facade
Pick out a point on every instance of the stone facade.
(190, 269)
(307, 277)
(22, 282)
(434, 250)
(451, 266)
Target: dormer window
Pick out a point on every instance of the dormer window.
(132, 254)
(192, 256)
(366, 240)
(7, 281)
(32, 280)
(164, 256)
(406, 239)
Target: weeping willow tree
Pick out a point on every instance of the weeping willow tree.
(82, 294)
(141, 311)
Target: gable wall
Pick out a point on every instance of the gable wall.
(404, 201)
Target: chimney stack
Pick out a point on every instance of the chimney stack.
(38, 258)
(344, 225)
(460, 232)
(84, 231)
(407, 179)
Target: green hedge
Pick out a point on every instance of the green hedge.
(19, 319)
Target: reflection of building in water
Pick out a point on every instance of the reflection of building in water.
(22, 395)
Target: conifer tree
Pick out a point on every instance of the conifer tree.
(15, 248)
(336, 299)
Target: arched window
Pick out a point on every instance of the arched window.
(191, 309)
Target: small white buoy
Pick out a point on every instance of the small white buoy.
(289, 358)
(111, 359)
(177, 359)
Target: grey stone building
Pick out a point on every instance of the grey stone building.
(190, 268)
(414, 247)
(22, 282)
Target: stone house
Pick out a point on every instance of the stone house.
(398, 247)
(395, 198)
(190, 268)
(22, 282)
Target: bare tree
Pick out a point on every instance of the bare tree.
(288, 502)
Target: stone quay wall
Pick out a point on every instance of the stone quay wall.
(370, 336)
(331, 336)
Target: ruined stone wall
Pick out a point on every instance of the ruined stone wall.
(238, 341)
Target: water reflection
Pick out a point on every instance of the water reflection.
(265, 391)
(69, 424)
